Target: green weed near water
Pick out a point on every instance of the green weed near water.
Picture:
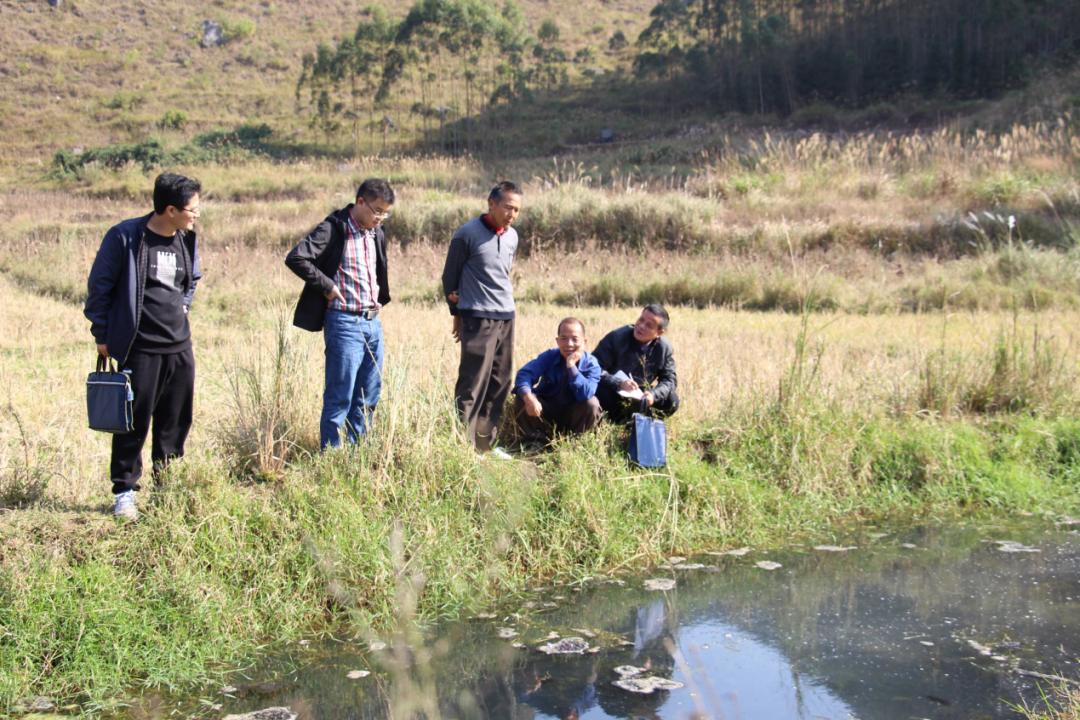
(220, 565)
(1060, 702)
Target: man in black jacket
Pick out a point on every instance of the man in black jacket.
(637, 366)
(343, 265)
(138, 295)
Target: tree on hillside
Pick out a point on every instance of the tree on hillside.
(444, 58)
(774, 55)
(345, 82)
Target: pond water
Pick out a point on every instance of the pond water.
(952, 621)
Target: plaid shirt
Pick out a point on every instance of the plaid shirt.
(356, 275)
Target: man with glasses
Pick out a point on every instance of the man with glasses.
(343, 265)
(138, 295)
(476, 283)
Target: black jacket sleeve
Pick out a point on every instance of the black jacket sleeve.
(666, 380)
(303, 258)
(196, 269)
(382, 273)
(606, 355)
(456, 255)
(101, 285)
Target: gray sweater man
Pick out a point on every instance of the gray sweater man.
(476, 282)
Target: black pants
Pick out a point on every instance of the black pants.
(164, 387)
(620, 409)
(576, 418)
(484, 376)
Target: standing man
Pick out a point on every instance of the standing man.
(476, 283)
(343, 265)
(636, 360)
(138, 295)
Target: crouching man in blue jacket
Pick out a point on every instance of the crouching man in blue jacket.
(557, 390)
(138, 295)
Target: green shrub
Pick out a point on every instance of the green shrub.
(29, 466)
(123, 100)
(146, 154)
(173, 120)
(817, 115)
(239, 29)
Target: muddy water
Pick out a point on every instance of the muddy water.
(947, 621)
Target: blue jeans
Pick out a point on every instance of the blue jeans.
(354, 359)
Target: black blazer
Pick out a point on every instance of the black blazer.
(618, 350)
(316, 260)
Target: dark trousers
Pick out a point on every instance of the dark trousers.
(578, 417)
(484, 376)
(620, 409)
(164, 387)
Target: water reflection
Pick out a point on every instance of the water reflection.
(888, 630)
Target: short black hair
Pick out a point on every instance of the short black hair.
(375, 189)
(505, 187)
(175, 190)
(658, 310)
(570, 320)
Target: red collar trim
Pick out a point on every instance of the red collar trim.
(490, 224)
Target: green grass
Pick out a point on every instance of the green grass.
(1061, 701)
(220, 563)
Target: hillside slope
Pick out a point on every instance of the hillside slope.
(90, 73)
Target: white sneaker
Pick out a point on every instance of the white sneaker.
(125, 506)
(499, 454)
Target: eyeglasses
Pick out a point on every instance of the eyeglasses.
(193, 212)
(376, 214)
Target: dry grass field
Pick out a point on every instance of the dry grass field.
(877, 364)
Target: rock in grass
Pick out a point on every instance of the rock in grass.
(768, 565)
(566, 646)
(213, 34)
(737, 552)
(377, 646)
(42, 704)
(272, 713)
(357, 674)
(660, 584)
(646, 685)
(1011, 546)
(834, 548)
(506, 633)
